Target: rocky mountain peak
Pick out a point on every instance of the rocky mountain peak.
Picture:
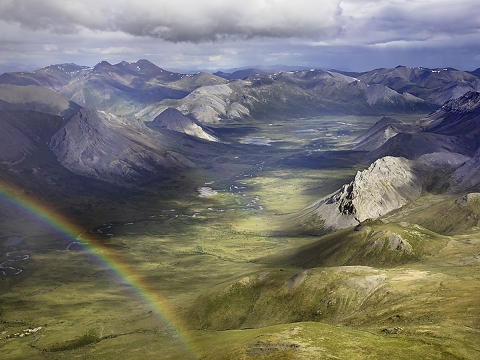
(387, 184)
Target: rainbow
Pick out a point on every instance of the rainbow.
(122, 271)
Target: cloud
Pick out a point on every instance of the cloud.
(180, 21)
(334, 22)
(375, 22)
(354, 34)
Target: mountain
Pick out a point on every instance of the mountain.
(30, 97)
(435, 86)
(24, 134)
(453, 128)
(54, 77)
(294, 94)
(172, 119)
(243, 73)
(113, 148)
(382, 131)
(467, 176)
(475, 72)
(438, 153)
(214, 103)
(458, 117)
(144, 89)
(123, 88)
(388, 184)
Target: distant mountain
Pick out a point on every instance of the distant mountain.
(475, 72)
(144, 89)
(348, 73)
(13, 67)
(54, 77)
(435, 86)
(295, 94)
(173, 119)
(30, 97)
(123, 88)
(242, 74)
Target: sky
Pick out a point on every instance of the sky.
(353, 35)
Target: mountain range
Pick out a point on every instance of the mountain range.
(183, 103)
(143, 89)
(254, 214)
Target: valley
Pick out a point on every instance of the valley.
(224, 262)
(220, 233)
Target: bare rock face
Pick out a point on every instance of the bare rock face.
(174, 120)
(112, 148)
(388, 184)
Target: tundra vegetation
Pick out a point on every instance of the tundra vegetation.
(268, 232)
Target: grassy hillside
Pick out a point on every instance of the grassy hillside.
(228, 277)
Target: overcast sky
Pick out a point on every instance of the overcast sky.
(352, 35)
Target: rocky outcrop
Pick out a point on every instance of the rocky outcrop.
(388, 184)
(173, 119)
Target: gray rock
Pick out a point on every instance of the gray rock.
(388, 184)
